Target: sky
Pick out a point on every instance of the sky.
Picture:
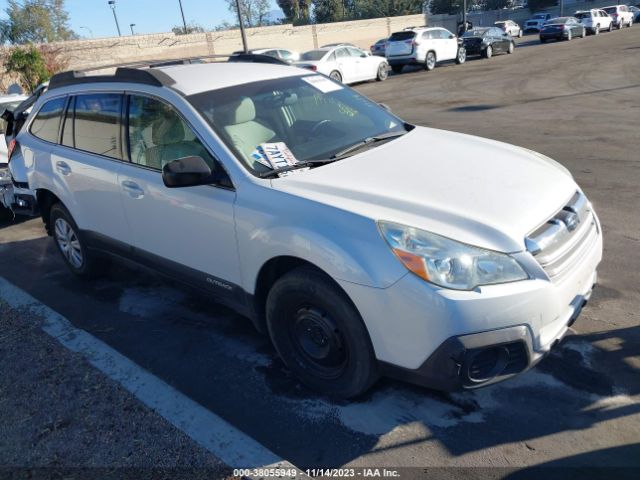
(93, 18)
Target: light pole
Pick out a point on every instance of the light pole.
(464, 16)
(184, 22)
(131, 25)
(244, 37)
(112, 4)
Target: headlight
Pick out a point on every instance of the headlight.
(448, 263)
(5, 176)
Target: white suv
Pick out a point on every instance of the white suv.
(620, 14)
(595, 20)
(378, 247)
(423, 46)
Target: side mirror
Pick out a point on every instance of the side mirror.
(452, 36)
(385, 106)
(186, 172)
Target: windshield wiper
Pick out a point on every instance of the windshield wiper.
(297, 166)
(365, 143)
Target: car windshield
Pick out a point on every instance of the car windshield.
(556, 21)
(475, 32)
(313, 55)
(583, 15)
(540, 16)
(314, 116)
(610, 9)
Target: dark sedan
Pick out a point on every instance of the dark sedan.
(486, 41)
(562, 28)
(379, 47)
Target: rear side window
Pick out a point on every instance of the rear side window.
(46, 125)
(400, 36)
(96, 127)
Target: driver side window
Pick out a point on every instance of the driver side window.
(158, 135)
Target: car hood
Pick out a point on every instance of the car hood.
(478, 191)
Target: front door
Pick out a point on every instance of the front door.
(187, 231)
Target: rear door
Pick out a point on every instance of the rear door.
(348, 64)
(85, 165)
(400, 44)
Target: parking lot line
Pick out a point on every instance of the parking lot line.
(226, 442)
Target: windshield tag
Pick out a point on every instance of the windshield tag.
(322, 83)
(278, 155)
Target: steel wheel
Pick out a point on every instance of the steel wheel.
(430, 61)
(68, 243)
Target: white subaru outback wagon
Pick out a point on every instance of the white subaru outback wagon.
(363, 245)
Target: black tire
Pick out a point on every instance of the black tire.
(543, 40)
(80, 260)
(430, 61)
(488, 52)
(461, 56)
(512, 47)
(397, 68)
(383, 72)
(335, 75)
(610, 29)
(319, 334)
(596, 30)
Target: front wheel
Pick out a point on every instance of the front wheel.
(511, 47)
(488, 52)
(383, 71)
(71, 245)
(543, 40)
(596, 31)
(335, 75)
(630, 23)
(620, 25)
(430, 61)
(520, 34)
(584, 33)
(319, 334)
(569, 36)
(462, 56)
(610, 27)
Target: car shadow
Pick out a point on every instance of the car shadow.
(216, 358)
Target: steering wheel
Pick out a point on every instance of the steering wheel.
(318, 126)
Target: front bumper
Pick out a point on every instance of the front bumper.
(553, 35)
(432, 336)
(474, 48)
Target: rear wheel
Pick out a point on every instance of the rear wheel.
(630, 23)
(319, 334)
(383, 71)
(543, 40)
(596, 30)
(430, 61)
(610, 27)
(397, 68)
(488, 52)
(569, 36)
(335, 75)
(71, 245)
(520, 33)
(620, 25)
(462, 56)
(584, 33)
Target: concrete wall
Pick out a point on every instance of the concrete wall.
(90, 53)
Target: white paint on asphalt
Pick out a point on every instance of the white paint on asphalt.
(229, 444)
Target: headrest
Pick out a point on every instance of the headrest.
(167, 131)
(238, 111)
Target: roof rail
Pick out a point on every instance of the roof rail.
(122, 75)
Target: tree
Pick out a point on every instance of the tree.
(254, 13)
(296, 10)
(386, 8)
(29, 65)
(325, 11)
(447, 7)
(191, 28)
(35, 21)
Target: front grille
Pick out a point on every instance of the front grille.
(565, 238)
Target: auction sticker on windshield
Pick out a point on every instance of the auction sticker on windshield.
(322, 83)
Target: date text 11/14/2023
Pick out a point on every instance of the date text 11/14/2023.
(318, 472)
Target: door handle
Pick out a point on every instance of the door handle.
(63, 168)
(133, 189)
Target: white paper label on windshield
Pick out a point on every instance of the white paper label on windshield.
(277, 155)
(322, 83)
